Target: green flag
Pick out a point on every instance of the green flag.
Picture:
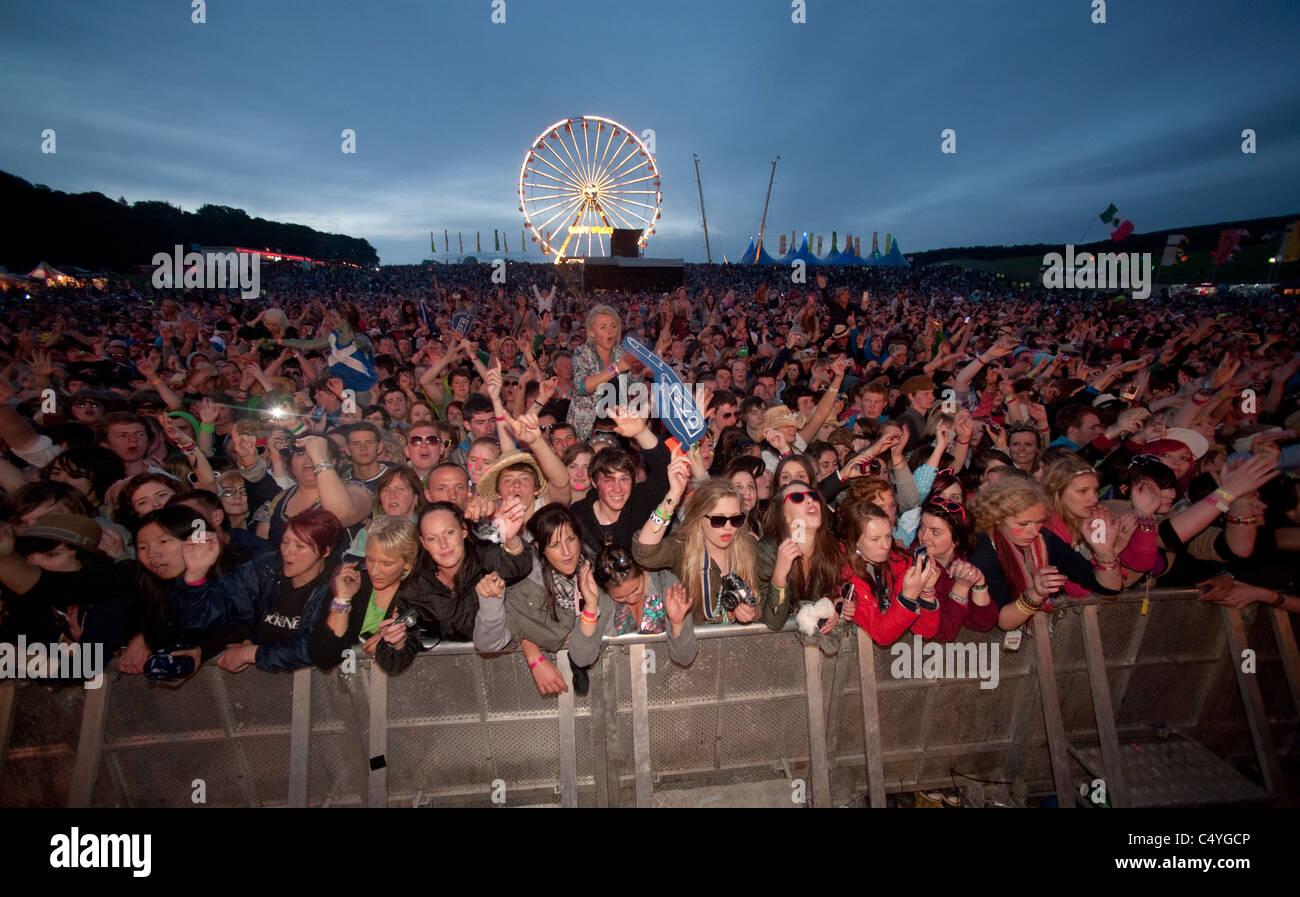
(1109, 214)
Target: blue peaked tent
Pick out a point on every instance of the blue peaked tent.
(844, 257)
(803, 253)
(895, 257)
(763, 258)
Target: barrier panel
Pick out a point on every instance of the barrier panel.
(1147, 693)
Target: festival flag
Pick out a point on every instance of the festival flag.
(857, 246)
(1229, 240)
(505, 241)
(819, 246)
(875, 242)
(424, 314)
(834, 241)
(460, 238)
(446, 241)
(433, 243)
(496, 237)
(1120, 227)
(1290, 251)
(478, 242)
(1174, 250)
(523, 242)
(781, 251)
(889, 243)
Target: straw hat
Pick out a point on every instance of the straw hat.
(487, 484)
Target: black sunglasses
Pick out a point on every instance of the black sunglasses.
(718, 521)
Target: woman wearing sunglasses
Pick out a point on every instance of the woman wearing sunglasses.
(620, 597)
(886, 591)
(946, 534)
(709, 549)
(799, 559)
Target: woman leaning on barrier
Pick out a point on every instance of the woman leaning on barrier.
(799, 559)
(1080, 519)
(884, 591)
(710, 550)
(279, 596)
(945, 532)
(367, 600)
(540, 610)
(620, 597)
(466, 570)
(1024, 563)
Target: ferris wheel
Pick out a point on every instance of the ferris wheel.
(582, 178)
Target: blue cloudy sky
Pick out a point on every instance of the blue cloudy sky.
(1055, 116)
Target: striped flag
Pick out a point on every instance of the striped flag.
(1290, 251)
(1120, 227)
(1229, 240)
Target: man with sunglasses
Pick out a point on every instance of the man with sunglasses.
(424, 450)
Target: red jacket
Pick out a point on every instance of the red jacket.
(885, 627)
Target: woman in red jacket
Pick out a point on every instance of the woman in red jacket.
(947, 535)
(892, 594)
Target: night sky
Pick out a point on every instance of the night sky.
(1055, 117)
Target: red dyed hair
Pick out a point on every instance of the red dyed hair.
(319, 527)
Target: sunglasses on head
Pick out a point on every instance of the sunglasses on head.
(718, 521)
(798, 497)
(949, 505)
(619, 560)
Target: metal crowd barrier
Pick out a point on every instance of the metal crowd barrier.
(1146, 692)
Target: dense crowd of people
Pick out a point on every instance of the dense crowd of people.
(192, 478)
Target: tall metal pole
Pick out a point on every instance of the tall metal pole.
(703, 217)
(763, 224)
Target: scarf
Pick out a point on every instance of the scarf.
(1018, 563)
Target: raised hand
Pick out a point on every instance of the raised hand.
(491, 586)
(510, 519)
(525, 427)
(208, 410)
(679, 476)
(346, 581)
(676, 604)
(200, 551)
(787, 554)
(626, 424)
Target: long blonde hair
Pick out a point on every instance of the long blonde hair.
(1057, 477)
(690, 534)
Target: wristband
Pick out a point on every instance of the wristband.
(613, 371)
(540, 658)
(1279, 600)
(207, 428)
(500, 419)
(963, 442)
(339, 606)
(982, 587)
(197, 582)
(1245, 521)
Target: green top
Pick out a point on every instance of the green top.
(374, 616)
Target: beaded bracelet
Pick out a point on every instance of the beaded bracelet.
(1245, 521)
(339, 606)
(1027, 607)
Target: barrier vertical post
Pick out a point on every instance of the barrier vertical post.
(568, 736)
(377, 783)
(821, 780)
(300, 738)
(1057, 748)
(1256, 712)
(1104, 710)
(641, 727)
(1286, 645)
(871, 742)
(90, 745)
